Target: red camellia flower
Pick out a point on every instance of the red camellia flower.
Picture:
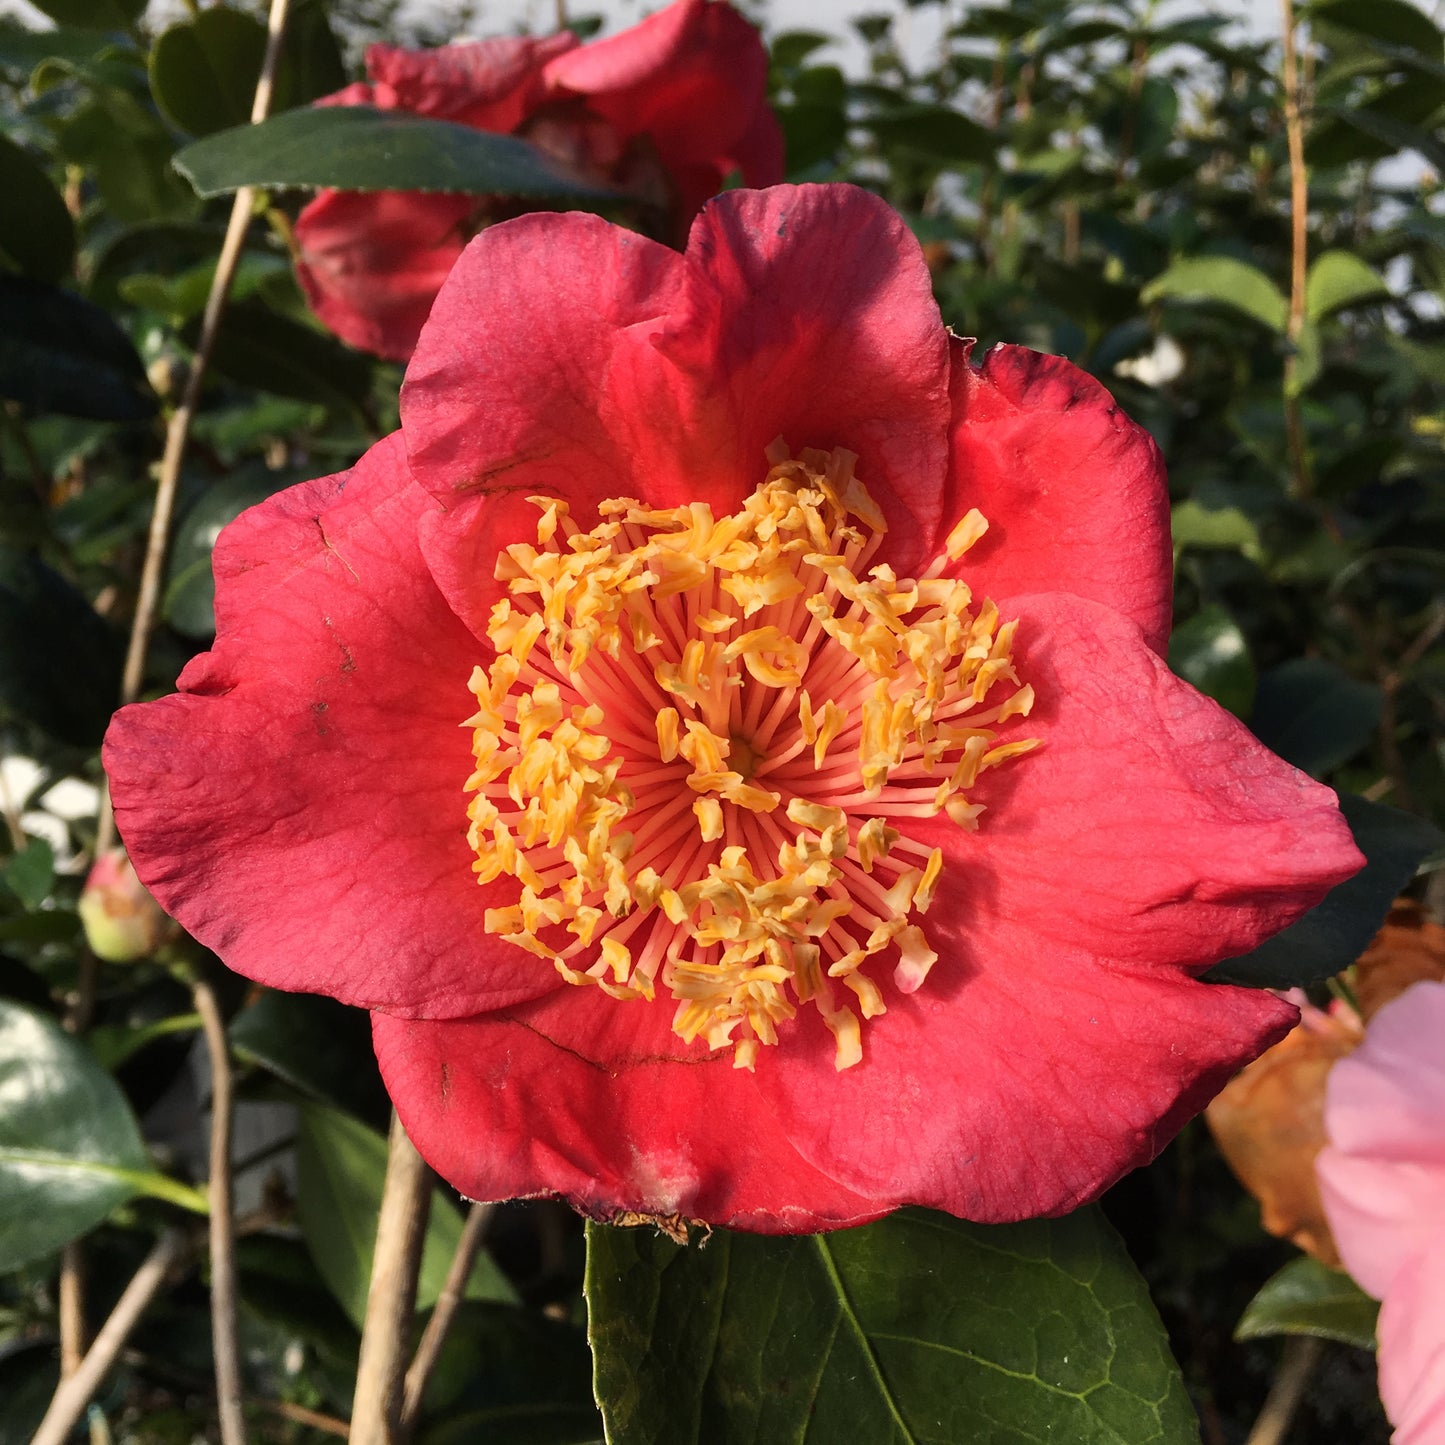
(724, 736)
(662, 113)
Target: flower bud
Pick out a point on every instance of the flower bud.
(122, 921)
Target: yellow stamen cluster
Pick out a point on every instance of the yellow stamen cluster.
(670, 688)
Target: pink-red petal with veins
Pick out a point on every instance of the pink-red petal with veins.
(1073, 491)
(298, 804)
(608, 366)
(371, 262)
(541, 1100)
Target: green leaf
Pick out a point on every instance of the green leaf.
(356, 148)
(917, 1328)
(1333, 934)
(203, 70)
(1226, 281)
(1195, 525)
(23, 50)
(1314, 714)
(1210, 652)
(60, 353)
(42, 618)
(94, 14)
(1338, 279)
(190, 597)
(1305, 1298)
(936, 131)
(510, 1377)
(792, 47)
(1393, 21)
(37, 236)
(29, 1373)
(319, 1046)
(340, 1167)
(258, 347)
(70, 1147)
(30, 873)
(1393, 133)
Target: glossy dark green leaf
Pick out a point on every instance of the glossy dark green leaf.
(1305, 1298)
(1338, 279)
(94, 14)
(281, 1285)
(1211, 652)
(127, 150)
(21, 50)
(1392, 133)
(319, 1046)
(917, 1328)
(356, 148)
(935, 131)
(37, 236)
(70, 1149)
(340, 1166)
(1226, 282)
(60, 353)
(42, 618)
(1314, 714)
(511, 1377)
(1333, 934)
(30, 873)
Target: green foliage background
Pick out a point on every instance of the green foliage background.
(1088, 179)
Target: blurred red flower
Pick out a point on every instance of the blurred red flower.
(857, 766)
(663, 112)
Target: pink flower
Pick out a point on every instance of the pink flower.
(838, 837)
(663, 112)
(1382, 1177)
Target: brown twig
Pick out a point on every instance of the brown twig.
(1301, 478)
(1301, 1355)
(327, 1424)
(225, 1346)
(391, 1299)
(178, 430)
(74, 1393)
(427, 1351)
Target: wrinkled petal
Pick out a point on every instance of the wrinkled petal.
(692, 76)
(1383, 1175)
(1020, 1081)
(490, 84)
(1412, 1348)
(371, 262)
(1074, 492)
(298, 804)
(608, 366)
(533, 1101)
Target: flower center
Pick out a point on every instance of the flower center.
(704, 743)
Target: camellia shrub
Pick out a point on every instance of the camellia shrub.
(671, 700)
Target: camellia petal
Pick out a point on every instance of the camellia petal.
(1382, 1176)
(1074, 491)
(371, 263)
(556, 327)
(547, 1091)
(311, 762)
(1411, 1334)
